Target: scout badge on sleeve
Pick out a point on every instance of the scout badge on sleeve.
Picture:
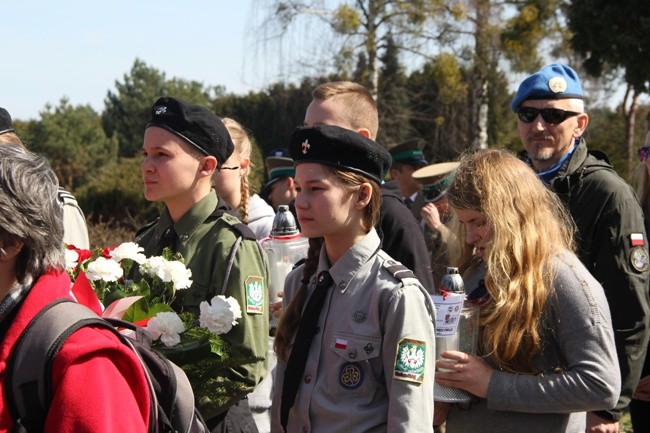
(410, 360)
(638, 254)
(254, 295)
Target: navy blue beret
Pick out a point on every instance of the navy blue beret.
(5, 121)
(551, 82)
(340, 148)
(197, 125)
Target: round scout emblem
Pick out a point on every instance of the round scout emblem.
(639, 259)
(351, 375)
(557, 84)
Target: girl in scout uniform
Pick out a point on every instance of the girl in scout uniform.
(356, 342)
(546, 345)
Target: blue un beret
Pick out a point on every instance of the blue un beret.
(197, 125)
(551, 82)
(340, 148)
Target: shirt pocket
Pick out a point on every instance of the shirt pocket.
(191, 297)
(356, 365)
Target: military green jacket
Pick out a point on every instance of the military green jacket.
(211, 241)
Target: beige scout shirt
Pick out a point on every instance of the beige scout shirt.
(371, 368)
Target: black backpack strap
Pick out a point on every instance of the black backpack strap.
(28, 383)
(173, 402)
(243, 232)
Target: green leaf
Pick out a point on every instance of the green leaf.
(139, 310)
(113, 296)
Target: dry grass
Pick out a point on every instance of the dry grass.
(109, 233)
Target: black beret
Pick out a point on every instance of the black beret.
(194, 124)
(340, 148)
(5, 121)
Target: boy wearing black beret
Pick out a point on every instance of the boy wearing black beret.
(183, 145)
(349, 105)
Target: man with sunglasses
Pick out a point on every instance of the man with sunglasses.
(611, 236)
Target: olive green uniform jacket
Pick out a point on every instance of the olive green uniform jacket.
(207, 237)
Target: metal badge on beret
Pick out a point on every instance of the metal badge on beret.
(340, 148)
(557, 84)
(195, 124)
(305, 146)
(556, 81)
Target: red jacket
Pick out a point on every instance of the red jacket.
(98, 383)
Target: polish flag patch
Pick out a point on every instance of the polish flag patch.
(341, 343)
(636, 239)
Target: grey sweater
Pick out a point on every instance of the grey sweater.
(578, 358)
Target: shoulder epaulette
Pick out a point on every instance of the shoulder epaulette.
(228, 214)
(239, 226)
(398, 270)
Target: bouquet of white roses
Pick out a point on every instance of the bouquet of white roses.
(107, 275)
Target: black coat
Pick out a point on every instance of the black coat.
(402, 237)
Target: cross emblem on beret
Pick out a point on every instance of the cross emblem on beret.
(305, 146)
(161, 109)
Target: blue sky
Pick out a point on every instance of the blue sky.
(79, 48)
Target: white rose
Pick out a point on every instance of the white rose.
(71, 259)
(128, 250)
(218, 316)
(104, 269)
(167, 326)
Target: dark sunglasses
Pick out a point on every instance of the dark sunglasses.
(550, 115)
(643, 153)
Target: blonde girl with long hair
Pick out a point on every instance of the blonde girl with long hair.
(546, 345)
(356, 339)
(232, 183)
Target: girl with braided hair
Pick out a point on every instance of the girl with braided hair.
(232, 184)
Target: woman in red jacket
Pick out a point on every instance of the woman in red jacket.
(98, 384)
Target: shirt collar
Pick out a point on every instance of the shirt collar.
(189, 222)
(550, 172)
(349, 264)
